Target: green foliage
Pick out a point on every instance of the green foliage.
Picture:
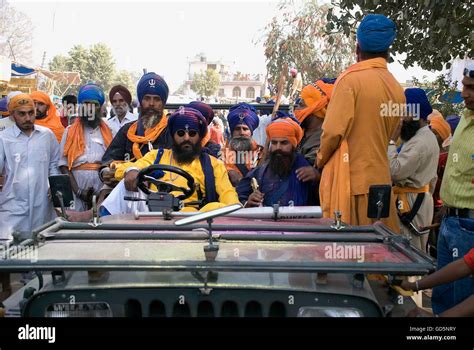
(298, 37)
(430, 32)
(95, 64)
(437, 88)
(206, 83)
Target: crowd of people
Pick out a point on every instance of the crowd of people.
(345, 135)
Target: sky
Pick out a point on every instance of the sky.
(161, 36)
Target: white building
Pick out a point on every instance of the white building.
(233, 85)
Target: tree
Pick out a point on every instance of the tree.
(206, 83)
(15, 34)
(127, 79)
(297, 37)
(431, 32)
(438, 88)
(95, 64)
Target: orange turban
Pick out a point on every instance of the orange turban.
(441, 126)
(51, 121)
(316, 98)
(20, 100)
(287, 128)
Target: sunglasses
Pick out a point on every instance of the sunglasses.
(468, 72)
(191, 132)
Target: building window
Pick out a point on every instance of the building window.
(250, 92)
(212, 66)
(221, 93)
(236, 92)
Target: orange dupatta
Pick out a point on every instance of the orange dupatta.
(52, 120)
(150, 135)
(335, 184)
(74, 146)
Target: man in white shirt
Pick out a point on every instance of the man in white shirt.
(29, 153)
(83, 145)
(121, 99)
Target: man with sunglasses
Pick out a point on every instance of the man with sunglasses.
(188, 128)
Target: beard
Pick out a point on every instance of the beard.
(119, 111)
(150, 117)
(240, 144)
(40, 115)
(186, 156)
(409, 129)
(280, 163)
(92, 122)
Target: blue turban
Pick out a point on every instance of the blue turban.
(91, 92)
(376, 33)
(453, 121)
(418, 105)
(152, 84)
(243, 113)
(187, 118)
(204, 108)
(3, 106)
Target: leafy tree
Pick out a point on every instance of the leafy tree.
(430, 32)
(127, 79)
(95, 64)
(206, 83)
(436, 89)
(297, 37)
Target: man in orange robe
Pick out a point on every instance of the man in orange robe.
(356, 131)
(46, 114)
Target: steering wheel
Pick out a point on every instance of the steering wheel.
(164, 186)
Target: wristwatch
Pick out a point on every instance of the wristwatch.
(391, 142)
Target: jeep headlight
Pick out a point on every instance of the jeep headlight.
(92, 309)
(328, 311)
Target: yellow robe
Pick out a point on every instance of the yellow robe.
(225, 191)
(355, 138)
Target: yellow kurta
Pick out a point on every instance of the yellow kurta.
(354, 115)
(225, 191)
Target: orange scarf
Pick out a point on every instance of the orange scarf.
(74, 146)
(150, 135)
(335, 184)
(51, 121)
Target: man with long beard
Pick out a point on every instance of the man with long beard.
(149, 132)
(188, 127)
(46, 114)
(242, 153)
(413, 170)
(279, 177)
(83, 145)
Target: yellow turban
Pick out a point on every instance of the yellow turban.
(20, 100)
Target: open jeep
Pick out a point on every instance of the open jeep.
(277, 262)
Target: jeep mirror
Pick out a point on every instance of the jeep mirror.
(61, 192)
(379, 201)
